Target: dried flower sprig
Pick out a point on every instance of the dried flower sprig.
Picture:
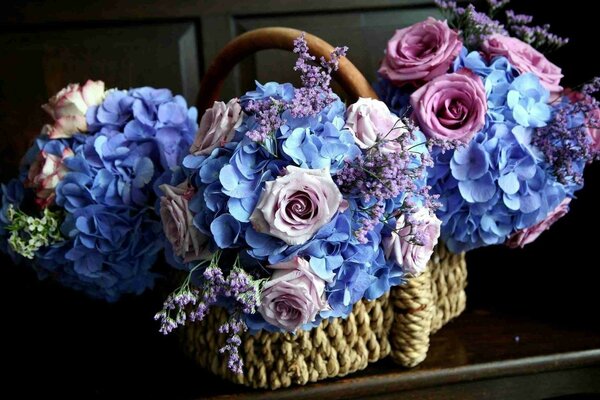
(309, 100)
(240, 290)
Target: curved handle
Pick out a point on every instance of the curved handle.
(348, 76)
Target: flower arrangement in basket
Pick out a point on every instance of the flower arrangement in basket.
(290, 209)
(82, 208)
(525, 140)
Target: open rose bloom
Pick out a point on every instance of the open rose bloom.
(286, 204)
(509, 144)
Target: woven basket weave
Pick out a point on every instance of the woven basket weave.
(398, 324)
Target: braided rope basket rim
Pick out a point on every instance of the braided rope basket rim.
(399, 323)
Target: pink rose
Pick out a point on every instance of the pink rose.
(177, 219)
(217, 126)
(295, 206)
(293, 296)
(451, 106)
(420, 52)
(411, 256)
(68, 108)
(370, 121)
(526, 59)
(45, 174)
(528, 235)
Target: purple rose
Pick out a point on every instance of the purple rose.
(401, 248)
(293, 296)
(526, 59)
(217, 126)
(293, 207)
(420, 52)
(371, 121)
(450, 107)
(187, 241)
(528, 235)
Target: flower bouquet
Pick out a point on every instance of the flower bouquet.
(524, 141)
(293, 216)
(82, 209)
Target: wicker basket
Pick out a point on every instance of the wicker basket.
(399, 323)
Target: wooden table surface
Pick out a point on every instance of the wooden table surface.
(510, 344)
(481, 354)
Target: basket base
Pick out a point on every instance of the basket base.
(335, 348)
(426, 303)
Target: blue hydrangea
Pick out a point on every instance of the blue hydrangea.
(112, 233)
(499, 182)
(351, 269)
(396, 98)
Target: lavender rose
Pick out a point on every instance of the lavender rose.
(526, 59)
(451, 106)
(293, 296)
(187, 241)
(370, 121)
(295, 206)
(528, 235)
(411, 256)
(217, 126)
(68, 108)
(420, 52)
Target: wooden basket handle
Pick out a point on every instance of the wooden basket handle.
(348, 76)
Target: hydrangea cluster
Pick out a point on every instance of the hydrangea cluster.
(499, 183)
(525, 141)
(272, 221)
(92, 174)
(522, 158)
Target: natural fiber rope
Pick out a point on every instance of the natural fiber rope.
(335, 348)
(424, 304)
(400, 324)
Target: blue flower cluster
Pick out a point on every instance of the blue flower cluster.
(396, 98)
(499, 182)
(229, 182)
(112, 233)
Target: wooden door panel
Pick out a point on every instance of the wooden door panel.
(38, 64)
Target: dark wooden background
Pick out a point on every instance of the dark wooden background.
(62, 342)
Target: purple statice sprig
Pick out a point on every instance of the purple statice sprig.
(268, 117)
(379, 175)
(309, 100)
(315, 93)
(239, 290)
(474, 26)
(565, 140)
